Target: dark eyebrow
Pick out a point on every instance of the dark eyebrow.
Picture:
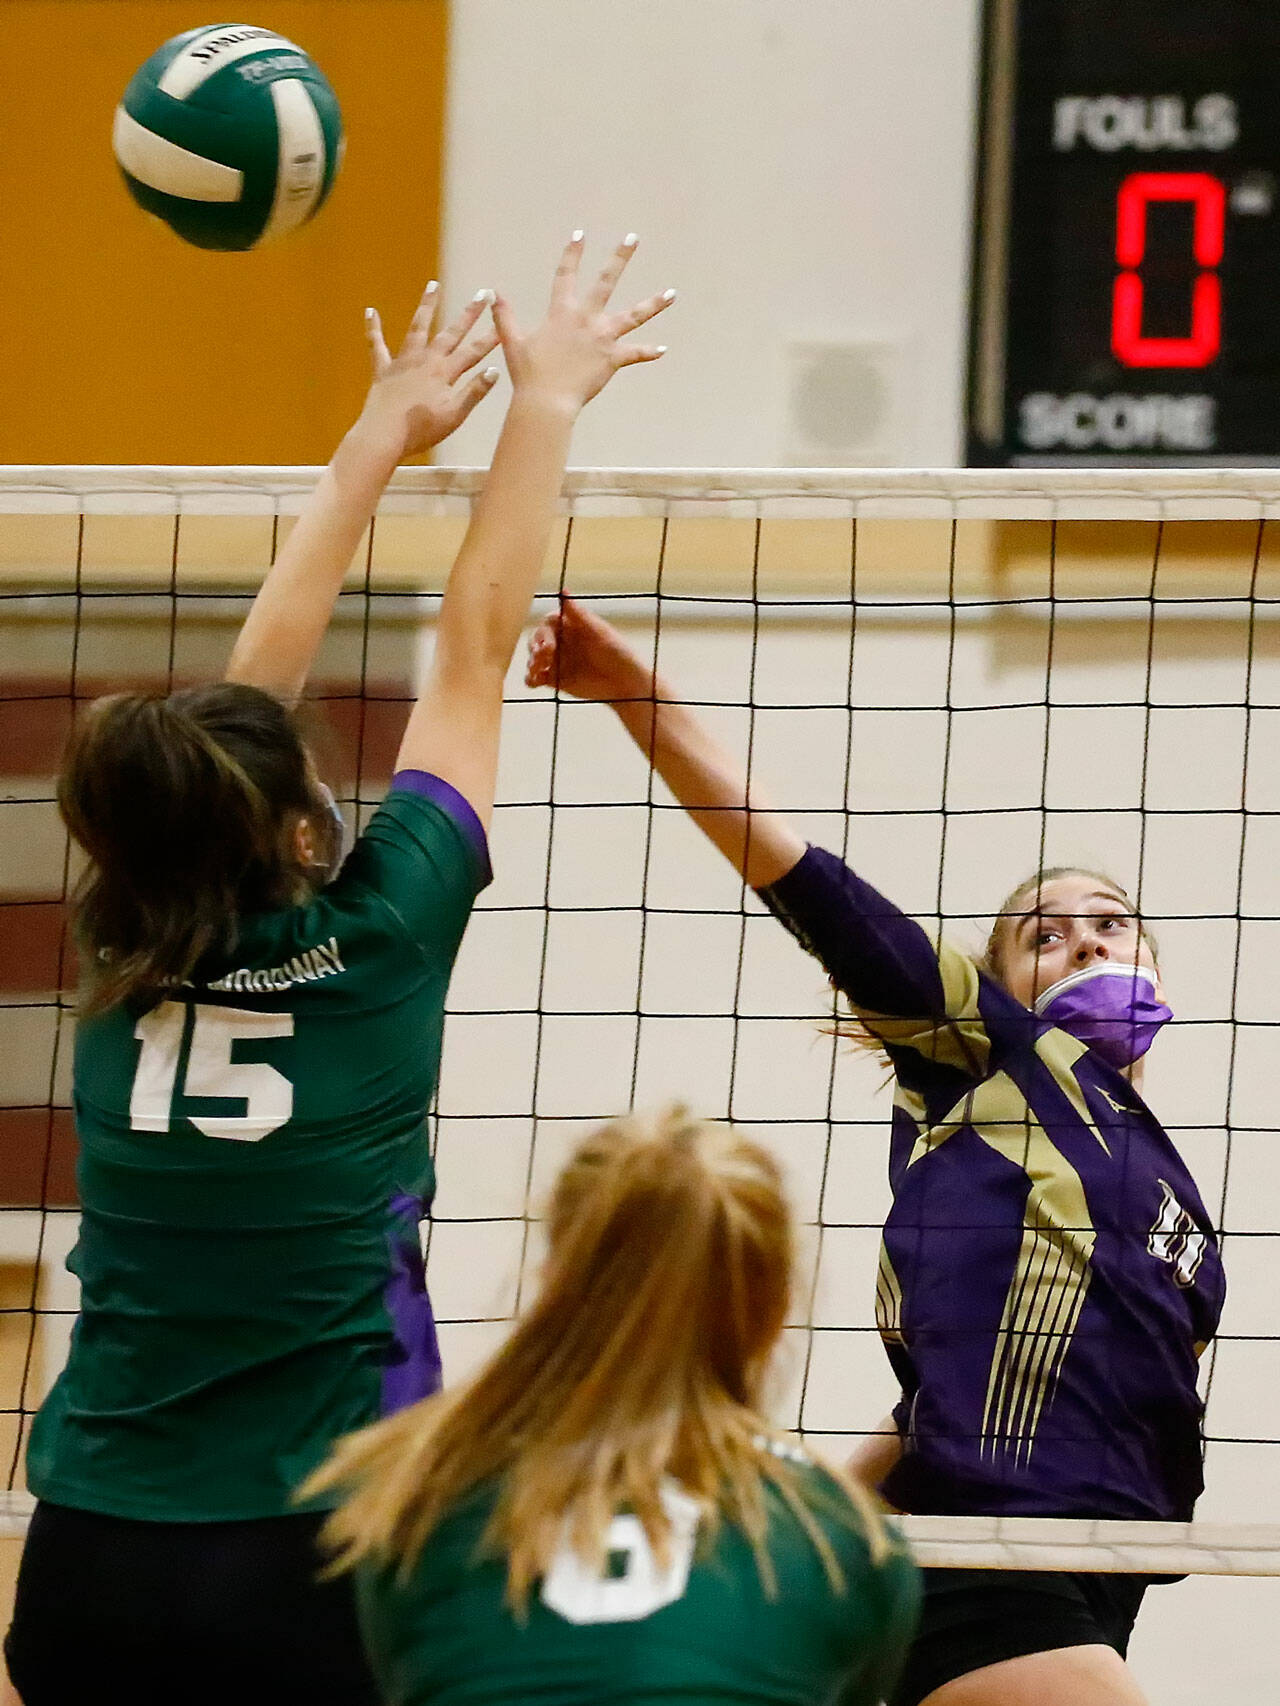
(1035, 917)
(1123, 905)
(1039, 915)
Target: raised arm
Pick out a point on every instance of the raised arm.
(882, 961)
(583, 655)
(453, 729)
(416, 399)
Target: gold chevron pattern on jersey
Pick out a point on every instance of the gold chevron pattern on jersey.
(888, 1299)
(959, 1040)
(1051, 1276)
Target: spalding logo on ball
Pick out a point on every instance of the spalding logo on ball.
(230, 134)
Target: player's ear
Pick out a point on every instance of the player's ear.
(306, 848)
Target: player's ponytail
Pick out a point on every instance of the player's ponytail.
(181, 805)
(645, 1355)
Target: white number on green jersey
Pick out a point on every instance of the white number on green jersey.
(632, 1583)
(211, 1071)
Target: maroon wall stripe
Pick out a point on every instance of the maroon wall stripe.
(27, 1136)
(29, 939)
(35, 718)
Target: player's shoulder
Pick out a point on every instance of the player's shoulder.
(854, 1530)
(324, 949)
(423, 812)
(455, 1559)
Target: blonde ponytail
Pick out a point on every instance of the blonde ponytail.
(665, 1291)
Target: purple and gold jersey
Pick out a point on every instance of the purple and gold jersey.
(253, 1167)
(1048, 1275)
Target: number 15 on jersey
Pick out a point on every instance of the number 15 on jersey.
(265, 1094)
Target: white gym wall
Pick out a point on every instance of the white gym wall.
(798, 169)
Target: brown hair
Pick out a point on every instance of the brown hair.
(664, 1293)
(182, 805)
(1020, 901)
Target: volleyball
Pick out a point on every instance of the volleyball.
(230, 134)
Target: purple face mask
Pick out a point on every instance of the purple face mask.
(1114, 1009)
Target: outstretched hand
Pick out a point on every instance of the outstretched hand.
(419, 395)
(581, 654)
(578, 348)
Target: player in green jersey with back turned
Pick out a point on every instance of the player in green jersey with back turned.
(601, 1516)
(258, 1044)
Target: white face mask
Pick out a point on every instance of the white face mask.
(341, 840)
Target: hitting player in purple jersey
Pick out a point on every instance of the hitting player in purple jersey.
(1049, 1276)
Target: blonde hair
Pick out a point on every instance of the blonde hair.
(851, 1026)
(664, 1293)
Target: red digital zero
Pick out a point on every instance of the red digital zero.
(1208, 196)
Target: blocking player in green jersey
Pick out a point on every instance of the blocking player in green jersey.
(258, 1044)
(602, 1514)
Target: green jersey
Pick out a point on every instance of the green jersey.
(701, 1630)
(254, 1163)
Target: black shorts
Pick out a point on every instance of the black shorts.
(194, 1612)
(972, 1618)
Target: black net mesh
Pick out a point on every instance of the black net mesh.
(949, 687)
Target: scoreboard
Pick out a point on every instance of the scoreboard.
(1125, 305)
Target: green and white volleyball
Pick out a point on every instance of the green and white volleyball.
(230, 134)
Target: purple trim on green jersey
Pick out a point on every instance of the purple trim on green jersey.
(412, 1369)
(1049, 1273)
(459, 808)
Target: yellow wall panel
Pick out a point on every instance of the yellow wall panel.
(123, 344)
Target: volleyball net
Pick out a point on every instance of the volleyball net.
(951, 679)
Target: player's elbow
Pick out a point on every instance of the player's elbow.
(478, 643)
(472, 673)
